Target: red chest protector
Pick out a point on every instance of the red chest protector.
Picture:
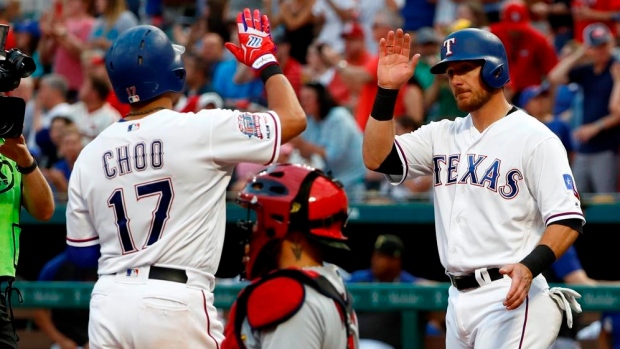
(276, 298)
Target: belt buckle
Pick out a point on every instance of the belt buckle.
(453, 279)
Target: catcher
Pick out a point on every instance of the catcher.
(295, 301)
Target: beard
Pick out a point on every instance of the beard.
(475, 100)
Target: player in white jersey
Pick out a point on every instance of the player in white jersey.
(300, 213)
(149, 191)
(506, 205)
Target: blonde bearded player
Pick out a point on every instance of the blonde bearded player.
(506, 205)
(149, 192)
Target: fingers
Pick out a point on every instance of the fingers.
(247, 19)
(266, 26)
(382, 45)
(406, 46)
(516, 295)
(398, 41)
(389, 41)
(257, 20)
(414, 60)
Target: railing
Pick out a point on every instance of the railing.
(408, 299)
(598, 209)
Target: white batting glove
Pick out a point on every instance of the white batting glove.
(566, 300)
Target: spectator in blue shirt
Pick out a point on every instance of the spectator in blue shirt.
(597, 135)
(333, 135)
(609, 337)
(67, 328)
(536, 101)
(383, 329)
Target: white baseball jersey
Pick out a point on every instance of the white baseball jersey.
(495, 191)
(152, 191)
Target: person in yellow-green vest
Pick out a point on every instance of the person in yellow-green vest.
(21, 184)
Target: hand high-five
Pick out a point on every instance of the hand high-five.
(256, 48)
(395, 67)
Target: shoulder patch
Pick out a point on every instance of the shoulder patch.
(274, 301)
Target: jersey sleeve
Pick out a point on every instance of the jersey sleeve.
(415, 151)
(550, 180)
(80, 228)
(245, 137)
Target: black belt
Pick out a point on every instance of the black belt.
(464, 282)
(168, 274)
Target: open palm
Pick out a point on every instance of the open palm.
(395, 68)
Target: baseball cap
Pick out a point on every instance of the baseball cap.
(596, 34)
(515, 12)
(426, 35)
(210, 98)
(352, 30)
(564, 97)
(389, 245)
(29, 27)
(530, 93)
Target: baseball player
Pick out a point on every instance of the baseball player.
(148, 193)
(506, 205)
(295, 300)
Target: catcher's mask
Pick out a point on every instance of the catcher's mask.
(290, 198)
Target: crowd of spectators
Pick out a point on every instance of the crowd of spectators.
(561, 53)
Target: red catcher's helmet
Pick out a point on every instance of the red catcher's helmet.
(292, 198)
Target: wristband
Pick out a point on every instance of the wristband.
(383, 107)
(270, 71)
(539, 259)
(28, 169)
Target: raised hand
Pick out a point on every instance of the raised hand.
(256, 48)
(395, 66)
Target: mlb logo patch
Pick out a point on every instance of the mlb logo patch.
(132, 273)
(249, 125)
(133, 127)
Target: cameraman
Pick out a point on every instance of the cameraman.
(21, 183)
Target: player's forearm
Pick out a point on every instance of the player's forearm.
(378, 142)
(559, 74)
(353, 75)
(559, 238)
(37, 196)
(43, 320)
(282, 99)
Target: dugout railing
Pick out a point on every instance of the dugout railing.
(407, 299)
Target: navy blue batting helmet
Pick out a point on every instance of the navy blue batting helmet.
(142, 64)
(474, 44)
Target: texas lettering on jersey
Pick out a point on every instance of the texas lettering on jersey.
(485, 175)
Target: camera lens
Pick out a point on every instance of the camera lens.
(25, 66)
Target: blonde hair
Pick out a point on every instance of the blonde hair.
(113, 11)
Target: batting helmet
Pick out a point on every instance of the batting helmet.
(142, 64)
(291, 198)
(474, 44)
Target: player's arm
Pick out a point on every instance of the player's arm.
(43, 317)
(257, 50)
(82, 238)
(550, 181)
(37, 195)
(394, 70)
(352, 75)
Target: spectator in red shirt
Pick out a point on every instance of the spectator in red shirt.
(366, 76)
(530, 54)
(586, 12)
